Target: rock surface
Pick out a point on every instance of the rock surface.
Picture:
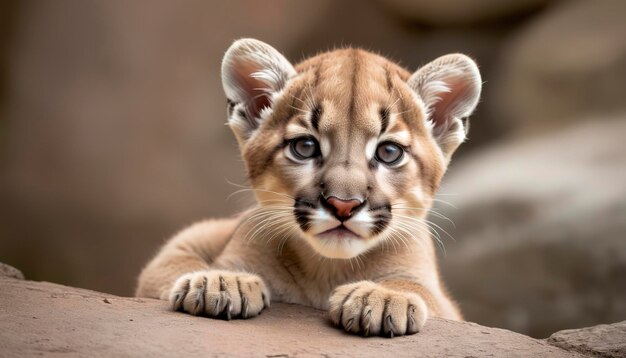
(607, 340)
(39, 318)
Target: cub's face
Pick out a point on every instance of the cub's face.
(346, 150)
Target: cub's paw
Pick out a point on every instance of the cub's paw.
(369, 309)
(220, 294)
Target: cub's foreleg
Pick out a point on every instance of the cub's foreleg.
(181, 272)
(389, 308)
(219, 293)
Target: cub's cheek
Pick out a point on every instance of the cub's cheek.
(298, 174)
(417, 193)
(385, 185)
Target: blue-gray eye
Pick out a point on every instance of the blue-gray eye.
(389, 153)
(305, 148)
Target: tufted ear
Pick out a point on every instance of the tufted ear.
(252, 72)
(450, 89)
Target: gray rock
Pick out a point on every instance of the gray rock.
(540, 229)
(459, 11)
(568, 63)
(605, 340)
(10, 271)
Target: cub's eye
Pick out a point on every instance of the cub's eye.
(389, 153)
(304, 148)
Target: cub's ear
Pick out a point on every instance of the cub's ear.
(252, 72)
(450, 88)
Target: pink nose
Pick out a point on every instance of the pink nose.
(343, 208)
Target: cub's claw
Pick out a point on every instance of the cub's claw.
(367, 308)
(220, 294)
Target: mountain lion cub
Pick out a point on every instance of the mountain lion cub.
(345, 152)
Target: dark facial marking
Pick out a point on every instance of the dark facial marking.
(354, 81)
(316, 79)
(315, 117)
(231, 107)
(242, 113)
(301, 210)
(384, 119)
(382, 217)
(388, 79)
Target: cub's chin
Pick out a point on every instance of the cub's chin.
(339, 243)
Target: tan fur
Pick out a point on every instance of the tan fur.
(385, 279)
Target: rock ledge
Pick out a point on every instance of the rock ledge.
(42, 318)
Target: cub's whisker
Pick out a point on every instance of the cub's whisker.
(429, 211)
(444, 202)
(427, 222)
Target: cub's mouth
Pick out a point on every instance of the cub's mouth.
(339, 232)
(340, 228)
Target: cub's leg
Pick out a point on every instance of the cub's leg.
(181, 272)
(390, 308)
(220, 293)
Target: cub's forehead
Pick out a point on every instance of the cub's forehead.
(336, 116)
(349, 93)
(329, 116)
(351, 74)
(340, 62)
(350, 86)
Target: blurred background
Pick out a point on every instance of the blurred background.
(112, 138)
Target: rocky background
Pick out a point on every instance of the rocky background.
(112, 137)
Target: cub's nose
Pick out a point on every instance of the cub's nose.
(342, 209)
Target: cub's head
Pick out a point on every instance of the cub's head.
(346, 149)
